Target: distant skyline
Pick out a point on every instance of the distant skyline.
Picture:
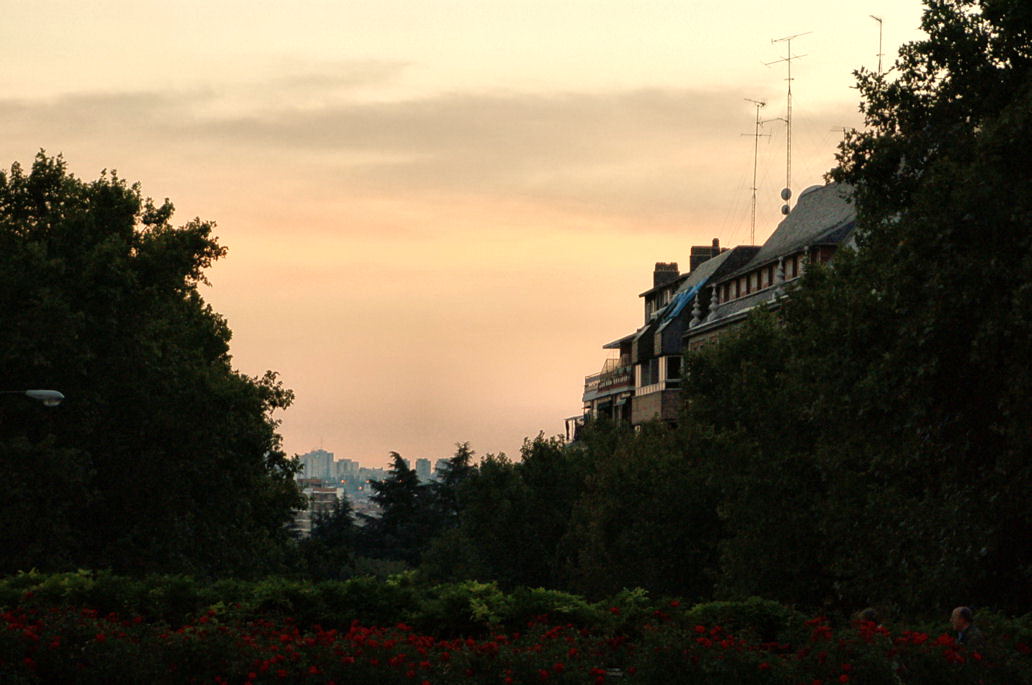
(437, 212)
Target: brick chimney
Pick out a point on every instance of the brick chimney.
(701, 253)
(665, 273)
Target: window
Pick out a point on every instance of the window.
(673, 367)
(649, 372)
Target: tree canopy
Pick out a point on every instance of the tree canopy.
(888, 404)
(162, 456)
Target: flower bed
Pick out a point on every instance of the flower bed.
(61, 644)
(99, 628)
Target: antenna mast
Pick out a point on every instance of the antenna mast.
(786, 193)
(879, 20)
(756, 150)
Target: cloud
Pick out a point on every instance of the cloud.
(657, 154)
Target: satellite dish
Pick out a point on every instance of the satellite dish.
(786, 193)
(784, 210)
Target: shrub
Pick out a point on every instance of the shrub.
(755, 618)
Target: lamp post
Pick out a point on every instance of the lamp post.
(49, 398)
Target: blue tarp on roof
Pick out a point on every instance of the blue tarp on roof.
(682, 299)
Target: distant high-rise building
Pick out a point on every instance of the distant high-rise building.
(318, 464)
(346, 468)
(439, 466)
(423, 470)
(321, 501)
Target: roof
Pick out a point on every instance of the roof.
(703, 271)
(667, 284)
(743, 304)
(615, 345)
(725, 263)
(688, 289)
(823, 215)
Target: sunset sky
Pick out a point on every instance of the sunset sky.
(437, 211)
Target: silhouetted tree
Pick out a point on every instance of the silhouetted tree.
(330, 549)
(162, 458)
(405, 521)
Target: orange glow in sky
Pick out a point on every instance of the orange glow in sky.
(438, 212)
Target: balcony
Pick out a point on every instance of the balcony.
(617, 375)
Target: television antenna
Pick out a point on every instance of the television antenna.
(879, 20)
(756, 135)
(786, 192)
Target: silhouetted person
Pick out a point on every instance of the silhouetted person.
(968, 634)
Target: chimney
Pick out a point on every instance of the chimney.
(701, 253)
(665, 273)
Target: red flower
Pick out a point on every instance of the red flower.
(764, 666)
(843, 678)
(614, 610)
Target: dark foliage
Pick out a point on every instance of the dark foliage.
(162, 456)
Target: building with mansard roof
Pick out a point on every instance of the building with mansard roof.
(642, 381)
(823, 219)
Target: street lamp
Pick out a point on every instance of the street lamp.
(49, 398)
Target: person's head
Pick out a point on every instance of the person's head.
(961, 618)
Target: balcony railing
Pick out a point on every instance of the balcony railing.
(616, 373)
